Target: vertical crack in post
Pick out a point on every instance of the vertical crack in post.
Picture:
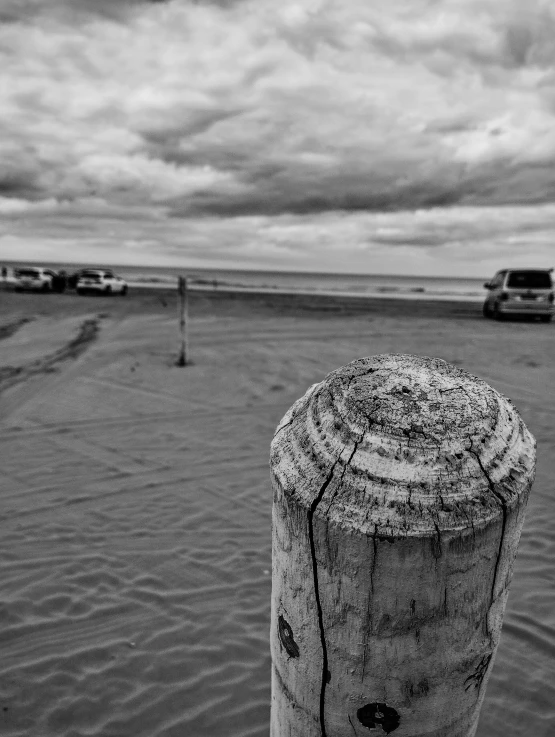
(350, 458)
(374, 557)
(310, 516)
(503, 504)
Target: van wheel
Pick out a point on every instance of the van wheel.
(108, 290)
(124, 291)
(497, 315)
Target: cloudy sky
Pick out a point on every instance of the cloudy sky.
(411, 136)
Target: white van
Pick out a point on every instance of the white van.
(520, 292)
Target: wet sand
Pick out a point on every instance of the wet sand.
(135, 556)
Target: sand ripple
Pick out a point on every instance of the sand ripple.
(135, 526)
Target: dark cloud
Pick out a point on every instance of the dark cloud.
(451, 125)
(166, 139)
(16, 186)
(423, 240)
(517, 37)
(13, 11)
(277, 187)
(274, 188)
(268, 200)
(19, 176)
(530, 40)
(107, 8)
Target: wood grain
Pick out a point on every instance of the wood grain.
(400, 484)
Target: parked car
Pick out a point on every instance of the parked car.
(520, 292)
(101, 281)
(38, 278)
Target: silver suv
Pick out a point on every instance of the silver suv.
(520, 292)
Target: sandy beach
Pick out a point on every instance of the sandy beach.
(135, 546)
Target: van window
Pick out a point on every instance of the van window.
(529, 280)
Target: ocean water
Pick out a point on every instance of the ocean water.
(386, 285)
(362, 284)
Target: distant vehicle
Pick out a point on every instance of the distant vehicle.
(73, 278)
(101, 281)
(38, 278)
(520, 292)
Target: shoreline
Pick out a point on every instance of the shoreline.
(225, 301)
(414, 295)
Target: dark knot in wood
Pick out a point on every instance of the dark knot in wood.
(379, 715)
(286, 637)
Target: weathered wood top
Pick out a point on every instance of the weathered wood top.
(399, 444)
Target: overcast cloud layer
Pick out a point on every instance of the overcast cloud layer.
(411, 136)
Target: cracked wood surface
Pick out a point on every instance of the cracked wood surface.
(400, 484)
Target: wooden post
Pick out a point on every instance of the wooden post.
(183, 314)
(400, 485)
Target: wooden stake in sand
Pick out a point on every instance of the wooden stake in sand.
(183, 314)
(400, 484)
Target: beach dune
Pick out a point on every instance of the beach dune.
(135, 502)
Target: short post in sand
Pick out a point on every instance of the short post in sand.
(183, 315)
(400, 485)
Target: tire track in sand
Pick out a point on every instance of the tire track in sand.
(9, 329)
(11, 375)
